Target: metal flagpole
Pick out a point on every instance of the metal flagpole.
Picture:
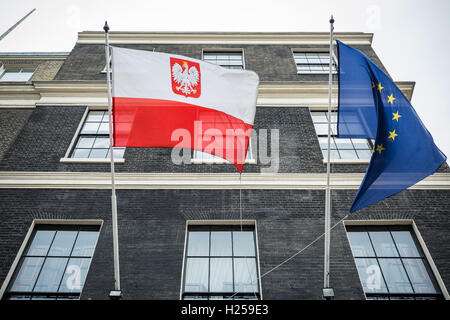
(327, 291)
(16, 24)
(116, 293)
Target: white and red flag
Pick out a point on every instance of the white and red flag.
(160, 99)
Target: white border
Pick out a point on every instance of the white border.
(402, 222)
(247, 222)
(35, 222)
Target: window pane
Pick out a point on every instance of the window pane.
(85, 244)
(51, 275)
(27, 275)
(361, 144)
(333, 154)
(41, 243)
(419, 276)
(196, 275)
(343, 143)
(405, 244)
(85, 142)
(243, 243)
(370, 275)
(221, 275)
(245, 279)
(364, 154)
(383, 244)
(104, 128)
(319, 117)
(221, 244)
(63, 243)
(101, 142)
(118, 153)
(95, 116)
(90, 128)
(75, 275)
(395, 275)
(198, 243)
(98, 153)
(81, 153)
(360, 244)
(348, 154)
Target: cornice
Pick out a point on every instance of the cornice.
(97, 180)
(93, 94)
(253, 38)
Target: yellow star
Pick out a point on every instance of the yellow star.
(396, 116)
(380, 87)
(391, 99)
(392, 135)
(380, 148)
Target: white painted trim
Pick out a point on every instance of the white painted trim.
(94, 37)
(35, 222)
(291, 181)
(402, 222)
(90, 160)
(347, 161)
(246, 222)
(93, 94)
(74, 138)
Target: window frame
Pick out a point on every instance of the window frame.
(218, 160)
(225, 225)
(420, 245)
(36, 223)
(224, 50)
(4, 70)
(337, 161)
(67, 157)
(315, 50)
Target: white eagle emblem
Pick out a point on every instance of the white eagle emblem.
(186, 79)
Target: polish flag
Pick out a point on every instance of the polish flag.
(165, 100)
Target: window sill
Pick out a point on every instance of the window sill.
(91, 160)
(346, 161)
(315, 72)
(211, 161)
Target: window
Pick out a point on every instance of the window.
(341, 148)
(313, 62)
(221, 263)
(230, 60)
(203, 157)
(16, 75)
(93, 139)
(391, 264)
(54, 264)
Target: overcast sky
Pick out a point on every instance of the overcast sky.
(411, 36)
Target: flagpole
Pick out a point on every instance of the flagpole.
(116, 293)
(327, 291)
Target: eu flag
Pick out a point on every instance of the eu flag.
(371, 106)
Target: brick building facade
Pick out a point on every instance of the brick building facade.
(47, 191)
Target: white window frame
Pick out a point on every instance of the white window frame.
(4, 70)
(314, 50)
(222, 223)
(337, 161)
(251, 159)
(57, 222)
(415, 230)
(68, 159)
(225, 50)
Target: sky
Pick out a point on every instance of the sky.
(411, 37)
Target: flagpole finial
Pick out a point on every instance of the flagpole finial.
(106, 27)
(332, 19)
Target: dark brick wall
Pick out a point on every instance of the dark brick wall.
(271, 62)
(47, 135)
(152, 232)
(11, 123)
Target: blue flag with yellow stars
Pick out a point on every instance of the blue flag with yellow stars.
(371, 106)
